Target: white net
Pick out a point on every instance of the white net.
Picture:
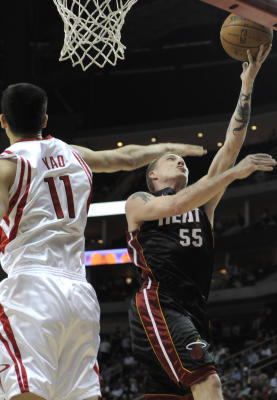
(92, 31)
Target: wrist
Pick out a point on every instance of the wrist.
(247, 87)
(233, 173)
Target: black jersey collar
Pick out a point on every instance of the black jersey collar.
(164, 192)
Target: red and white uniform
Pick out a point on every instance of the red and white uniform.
(49, 314)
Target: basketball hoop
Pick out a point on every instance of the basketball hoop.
(92, 31)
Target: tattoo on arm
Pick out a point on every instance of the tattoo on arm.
(242, 115)
(143, 195)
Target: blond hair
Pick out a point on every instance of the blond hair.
(150, 168)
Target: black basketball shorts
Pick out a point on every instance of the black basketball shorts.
(167, 342)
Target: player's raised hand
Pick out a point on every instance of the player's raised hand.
(254, 162)
(250, 69)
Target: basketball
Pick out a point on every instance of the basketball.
(239, 34)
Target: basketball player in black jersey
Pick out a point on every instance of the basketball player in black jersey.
(171, 241)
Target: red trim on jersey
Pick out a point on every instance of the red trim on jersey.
(167, 397)
(34, 139)
(156, 329)
(21, 204)
(6, 151)
(16, 356)
(83, 165)
(135, 250)
(88, 173)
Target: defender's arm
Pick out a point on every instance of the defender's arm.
(133, 156)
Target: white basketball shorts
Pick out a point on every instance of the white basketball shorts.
(49, 338)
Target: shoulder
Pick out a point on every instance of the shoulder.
(141, 196)
(135, 201)
(134, 211)
(138, 198)
(7, 170)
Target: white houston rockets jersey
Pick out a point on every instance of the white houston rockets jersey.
(43, 229)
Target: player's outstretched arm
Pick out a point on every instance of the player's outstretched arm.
(7, 175)
(142, 206)
(238, 125)
(133, 156)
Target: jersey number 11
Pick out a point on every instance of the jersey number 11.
(55, 197)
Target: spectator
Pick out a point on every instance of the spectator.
(252, 357)
(104, 349)
(265, 352)
(273, 382)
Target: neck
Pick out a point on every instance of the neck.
(177, 186)
(16, 138)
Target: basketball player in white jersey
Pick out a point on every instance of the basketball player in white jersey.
(49, 314)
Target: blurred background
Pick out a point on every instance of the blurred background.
(176, 84)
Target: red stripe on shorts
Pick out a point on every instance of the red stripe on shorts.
(4, 240)
(155, 326)
(6, 344)
(16, 357)
(155, 329)
(96, 369)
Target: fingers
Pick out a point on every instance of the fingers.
(244, 66)
(260, 52)
(198, 153)
(263, 162)
(266, 53)
(263, 155)
(250, 57)
(264, 168)
(194, 150)
(263, 52)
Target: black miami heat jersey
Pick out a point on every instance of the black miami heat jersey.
(177, 252)
(168, 319)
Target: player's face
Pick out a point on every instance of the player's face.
(172, 167)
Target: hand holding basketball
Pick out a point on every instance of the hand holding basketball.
(239, 34)
(251, 68)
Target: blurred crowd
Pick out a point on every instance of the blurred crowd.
(242, 367)
(122, 377)
(237, 224)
